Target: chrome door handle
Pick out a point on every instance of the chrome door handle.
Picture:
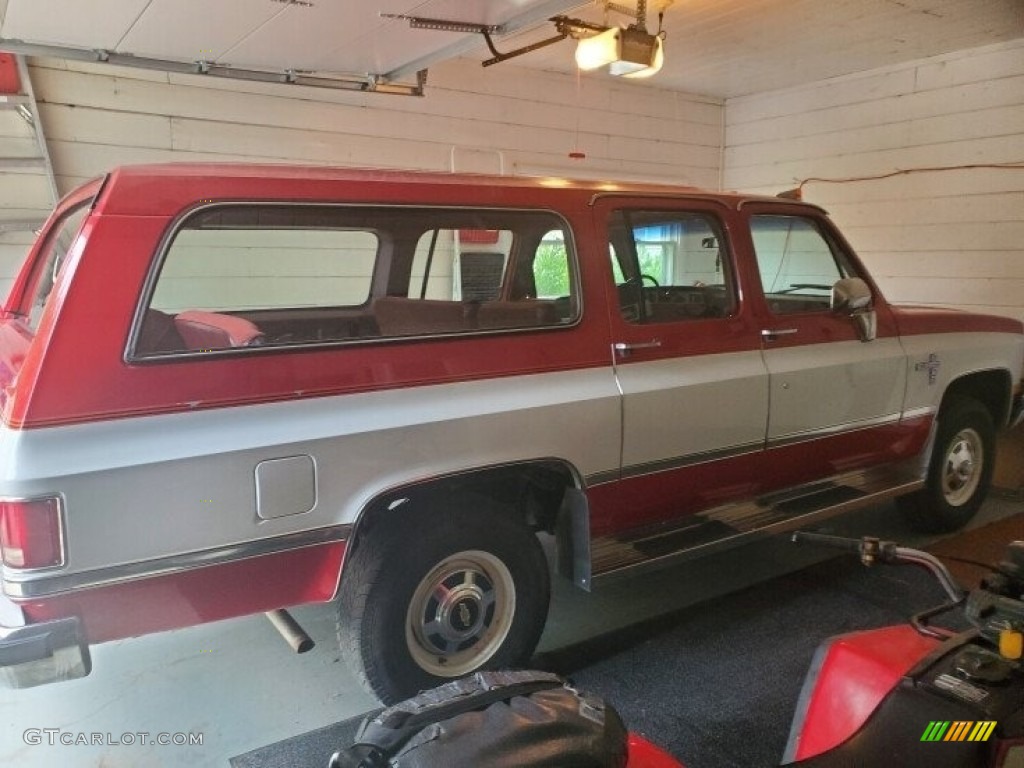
(624, 348)
(770, 334)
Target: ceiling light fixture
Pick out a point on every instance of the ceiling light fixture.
(598, 51)
(627, 51)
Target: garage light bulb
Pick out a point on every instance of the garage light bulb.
(599, 50)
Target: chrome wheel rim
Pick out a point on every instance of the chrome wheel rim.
(460, 613)
(961, 470)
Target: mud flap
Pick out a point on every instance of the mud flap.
(573, 534)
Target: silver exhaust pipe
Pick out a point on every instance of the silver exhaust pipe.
(290, 630)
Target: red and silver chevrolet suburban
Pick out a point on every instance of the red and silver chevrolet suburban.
(227, 390)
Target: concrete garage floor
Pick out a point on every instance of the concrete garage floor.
(238, 685)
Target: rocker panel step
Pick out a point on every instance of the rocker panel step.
(731, 525)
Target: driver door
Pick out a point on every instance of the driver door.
(824, 381)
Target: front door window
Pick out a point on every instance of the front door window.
(797, 264)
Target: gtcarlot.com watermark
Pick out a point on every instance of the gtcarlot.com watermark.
(54, 736)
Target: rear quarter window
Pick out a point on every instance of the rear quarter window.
(253, 269)
(59, 241)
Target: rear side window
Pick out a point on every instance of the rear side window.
(255, 269)
(60, 239)
(268, 275)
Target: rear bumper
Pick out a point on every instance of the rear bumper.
(37, 654)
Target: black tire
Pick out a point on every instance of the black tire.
(492, 573)
(960, 471)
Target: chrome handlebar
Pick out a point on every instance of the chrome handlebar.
(872, 551)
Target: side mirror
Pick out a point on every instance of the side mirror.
(852, 296)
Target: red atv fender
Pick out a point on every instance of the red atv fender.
(643, 754)
(849, 677)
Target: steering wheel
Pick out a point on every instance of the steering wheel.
(650, 297)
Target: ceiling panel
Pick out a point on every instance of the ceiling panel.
(195, 29)
(384, 45)
(84, 23)
(722, 48)
(734, 47)
(347, 36)
(342, 36)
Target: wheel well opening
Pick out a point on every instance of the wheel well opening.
(532, 491)
(990, 388)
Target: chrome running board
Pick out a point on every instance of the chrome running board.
(731, 525)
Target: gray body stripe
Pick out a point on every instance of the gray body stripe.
(101, 577)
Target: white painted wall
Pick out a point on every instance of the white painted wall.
(947, 237)
(478, 116)
(501, 119)
(13, 247)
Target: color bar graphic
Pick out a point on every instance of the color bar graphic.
(982, 730)
(935, 731)
(959, 730)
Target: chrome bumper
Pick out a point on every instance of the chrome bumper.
(36, 654)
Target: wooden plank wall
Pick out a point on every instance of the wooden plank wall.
(13, 247)
(951, 237)
(501, 119)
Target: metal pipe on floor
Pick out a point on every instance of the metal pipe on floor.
(290, 630)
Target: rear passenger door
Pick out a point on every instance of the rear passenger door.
(687, 359)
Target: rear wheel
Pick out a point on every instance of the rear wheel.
(960, 471)
(437, 594)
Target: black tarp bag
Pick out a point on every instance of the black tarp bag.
(516, 719)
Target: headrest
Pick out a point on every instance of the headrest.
(212, 330)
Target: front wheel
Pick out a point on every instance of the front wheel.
(438, 594)
(960, 471)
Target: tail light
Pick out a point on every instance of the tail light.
(32, 533)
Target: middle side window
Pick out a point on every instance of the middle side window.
(670, 266)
